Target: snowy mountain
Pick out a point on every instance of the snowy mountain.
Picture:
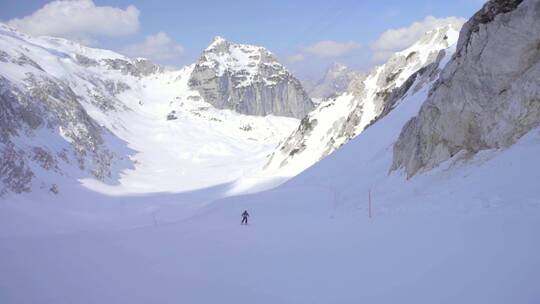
(335, 81)
(372, 222)
(71, 113)
(248, 79)
(341, 118)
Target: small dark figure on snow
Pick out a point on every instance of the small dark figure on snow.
(245, 216)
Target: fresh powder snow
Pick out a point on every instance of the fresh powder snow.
(330, 221)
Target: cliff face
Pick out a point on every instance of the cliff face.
(249, 80)
(488, 95)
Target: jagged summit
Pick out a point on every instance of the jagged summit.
(216, 41)
(433, 40)
(336, 66)
(335, 81)
(222, 55)
(248, 79)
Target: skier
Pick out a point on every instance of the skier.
(245, 216)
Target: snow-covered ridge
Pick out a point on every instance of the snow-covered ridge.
(339, 119)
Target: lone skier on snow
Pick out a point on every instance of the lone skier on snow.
(245, 216)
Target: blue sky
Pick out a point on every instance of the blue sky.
(306, 35)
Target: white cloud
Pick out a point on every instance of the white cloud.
(296, 58)
(330, 48)
(393, 40)
(158, 47)
(79, 20)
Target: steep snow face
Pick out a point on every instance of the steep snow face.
(73, 114)
(337, 120)
(249, 80)
(336, 81)
(487, 97)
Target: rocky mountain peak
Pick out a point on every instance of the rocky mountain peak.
(337, 67)
(248, 79)
(218, 43)
(218, 39)
(335, 81)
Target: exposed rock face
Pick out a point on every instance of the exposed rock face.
(249, 80)
(336, 81)
(337, 120)
(138, 67)
(44, 126)
(45, 106)
(487, 97)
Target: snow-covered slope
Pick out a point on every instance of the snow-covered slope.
(337, 120)
(116, 124)
(248, 79)
(464, 232)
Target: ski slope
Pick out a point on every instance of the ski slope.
(465, 232)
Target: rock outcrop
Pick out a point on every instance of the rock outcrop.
(45, 128)
(248, 79)
(46, 108)
(487, 97)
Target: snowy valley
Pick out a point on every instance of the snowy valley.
(123, 181)
(117, 124)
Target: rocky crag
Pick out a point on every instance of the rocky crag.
(488, 95)
(248, 79)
